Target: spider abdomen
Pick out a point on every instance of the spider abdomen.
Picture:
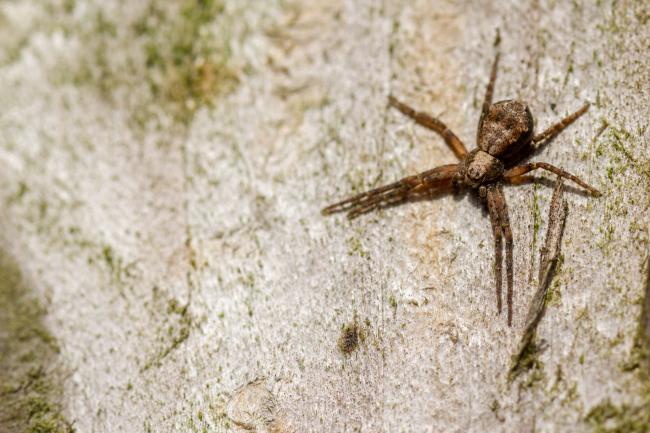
(505, 128)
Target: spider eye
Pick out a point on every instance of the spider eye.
(474, 172)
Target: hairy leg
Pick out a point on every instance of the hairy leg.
(432, 123)
(501, 207)
(555, 129)
(540, 139)
(487, 101)
(525, 168)
(498, 248)
(393, 193)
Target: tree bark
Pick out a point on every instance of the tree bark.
(164, 165)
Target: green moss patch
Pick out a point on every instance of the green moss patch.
(630, 417)
(174, 331)
(610, 418)
(351, 336)
(30, 377)
(187, 55)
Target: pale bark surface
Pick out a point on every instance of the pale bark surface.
(163, 169)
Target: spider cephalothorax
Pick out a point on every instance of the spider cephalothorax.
(476, 169)
(505, 136)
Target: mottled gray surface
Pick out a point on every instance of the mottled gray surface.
(166, 211)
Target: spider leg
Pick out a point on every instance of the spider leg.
(542, 138)
(415, 185)
(498, 248)
(390, 199)
(490, 87)
(424, 119)
(367, 197)
(525, 168)
(393, 193)
(555, 129)
(499, 202)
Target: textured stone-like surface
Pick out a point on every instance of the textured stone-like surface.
(163, 168)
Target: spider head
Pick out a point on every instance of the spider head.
(505, 128)
(478, 168)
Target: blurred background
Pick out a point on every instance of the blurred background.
(164, 265)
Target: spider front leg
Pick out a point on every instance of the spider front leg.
(543, 137)
(424, 119)
(367, 199)
(555, 129)
(395, 192)
(487, 101)
(497, 205)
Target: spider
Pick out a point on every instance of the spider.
(505, 137)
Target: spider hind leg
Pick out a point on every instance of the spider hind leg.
(498, 248)
(499, 216)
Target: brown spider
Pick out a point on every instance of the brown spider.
(505, 137)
